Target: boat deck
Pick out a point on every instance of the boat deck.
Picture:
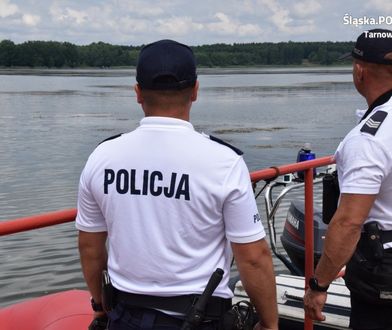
(290, 291)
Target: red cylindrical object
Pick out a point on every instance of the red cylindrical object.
(37, 221)
(309, 235)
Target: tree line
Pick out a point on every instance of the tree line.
(53, 54)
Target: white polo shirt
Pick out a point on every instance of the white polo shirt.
(364, 162)
(170, 199)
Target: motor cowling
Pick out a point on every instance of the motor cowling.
(293, 237)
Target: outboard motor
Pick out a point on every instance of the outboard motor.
(293, 237)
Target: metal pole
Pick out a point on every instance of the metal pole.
(309, 235)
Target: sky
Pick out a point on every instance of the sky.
(196, 22)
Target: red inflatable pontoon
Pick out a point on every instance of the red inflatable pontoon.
(59, 311)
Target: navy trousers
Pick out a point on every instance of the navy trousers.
(125, 318)
(368, 316)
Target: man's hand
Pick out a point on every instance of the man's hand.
(314, 302)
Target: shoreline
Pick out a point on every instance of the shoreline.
(130, 71)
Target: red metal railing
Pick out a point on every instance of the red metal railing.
(59, 217)
(307, 167)
(36, 221)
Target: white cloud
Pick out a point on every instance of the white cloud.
(280, 16)
(282, 19)
(79, 17)
(132, 25)
(138, 7)
(177, 26)
(249, 30)
(7, 8)
(30, 20)
(68, 15)
(248, 6)
(150, 11)
(384, 6)
(306, 8)
(225, 25)
(139, 21)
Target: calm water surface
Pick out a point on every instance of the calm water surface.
(50, 121)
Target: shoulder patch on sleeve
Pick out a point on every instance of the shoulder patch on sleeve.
(374, 122)
(111, 138)
(236, 150)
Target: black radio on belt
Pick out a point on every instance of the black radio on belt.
(107, 292)
(241, 316)
(374, 241)
(196, 315)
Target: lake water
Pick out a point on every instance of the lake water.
(50, 121)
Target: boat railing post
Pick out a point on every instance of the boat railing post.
(309, 235)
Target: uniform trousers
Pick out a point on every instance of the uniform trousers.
(126, 318)
(368, 315)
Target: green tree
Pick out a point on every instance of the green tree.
(7, 53)
(57, 54)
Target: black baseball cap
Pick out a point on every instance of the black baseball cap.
(372, 46)
(166, 64)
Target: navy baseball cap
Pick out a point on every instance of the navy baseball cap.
(372, 46)
(165, 65)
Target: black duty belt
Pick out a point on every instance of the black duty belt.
(216, 306)
(385, 236)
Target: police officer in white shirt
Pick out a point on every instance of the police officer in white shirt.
(360, 233)
(173, 205)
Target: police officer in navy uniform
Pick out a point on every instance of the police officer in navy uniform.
(360, 232)
(172, 205)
